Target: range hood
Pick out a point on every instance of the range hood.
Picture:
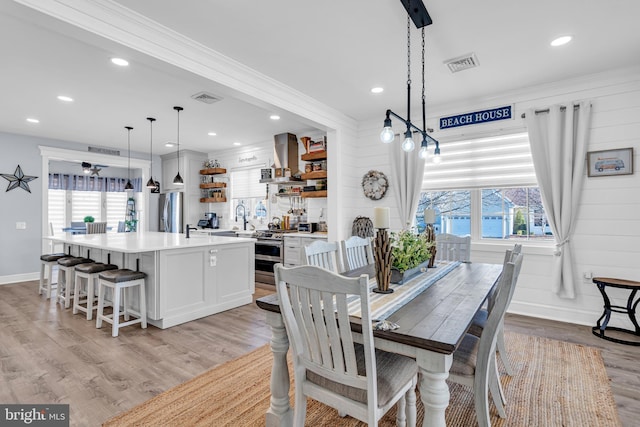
(285, 155)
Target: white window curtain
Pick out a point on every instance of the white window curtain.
(407, 170)
(58, 181)
(558, 146)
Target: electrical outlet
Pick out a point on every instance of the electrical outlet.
(21, 225)
(588, 275)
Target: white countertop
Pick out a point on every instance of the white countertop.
(145, 241)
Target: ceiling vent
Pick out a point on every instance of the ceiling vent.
(104, 151)
(206, 97)
(463, 62)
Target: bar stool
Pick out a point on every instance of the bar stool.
(66, 277)
(119, 280)
(47, 261)
(90, 272)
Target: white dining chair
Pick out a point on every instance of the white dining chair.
(356, 252)
(323, 254)
(450, 247)
(355, 379)
(96, 227)
(474, 360)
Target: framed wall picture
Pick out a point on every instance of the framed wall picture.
(610, 162)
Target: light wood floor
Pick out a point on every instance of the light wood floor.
(48, 355)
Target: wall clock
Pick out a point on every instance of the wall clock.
(374, 185)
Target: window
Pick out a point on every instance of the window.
(486, 188)
(57, 205)
(86, 203)
(116, 204)
(248, 195)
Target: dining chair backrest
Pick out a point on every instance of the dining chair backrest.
(356, 252)
(96, 227)
(323, 254)
(450, 247)
(78, 224)
(121, 227)
(313, 303)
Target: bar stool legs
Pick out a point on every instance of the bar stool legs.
(119, 281)
(47, 262)
(85, 299)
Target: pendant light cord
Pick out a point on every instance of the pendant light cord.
(424, 116)
(409, 72)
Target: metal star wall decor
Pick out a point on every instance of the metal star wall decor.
(18, 179)
(95, 171)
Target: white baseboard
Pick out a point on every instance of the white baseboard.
(14, 278)
(567, 315)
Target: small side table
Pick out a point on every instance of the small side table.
(630, 309)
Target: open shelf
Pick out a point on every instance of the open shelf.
(316, 155)
(214, 185)
(311, 194)
(213, 200)
(315, 175)
(213, 171)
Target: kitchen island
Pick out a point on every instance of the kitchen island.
(186, 278)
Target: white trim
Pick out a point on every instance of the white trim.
(54, 153)
(567, 315)
(15, 278)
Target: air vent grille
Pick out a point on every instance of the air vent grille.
(463, 62)
(206, 97)
(104, 151)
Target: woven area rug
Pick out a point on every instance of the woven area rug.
(555, 384)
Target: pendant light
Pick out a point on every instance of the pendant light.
(418, 13)
(151, 183)
(129, 186)
(178, 179)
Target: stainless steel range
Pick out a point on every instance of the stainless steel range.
(269, 252)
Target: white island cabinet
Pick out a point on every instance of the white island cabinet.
(186, 278)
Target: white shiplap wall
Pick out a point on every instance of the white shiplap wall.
(608, 226)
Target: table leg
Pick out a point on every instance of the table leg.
(279, 412)
(434, 391)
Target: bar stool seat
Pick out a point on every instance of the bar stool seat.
(66, 277)
(85, 299)
(47, 261)
(119, 280)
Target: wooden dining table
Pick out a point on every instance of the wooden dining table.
(431, 327)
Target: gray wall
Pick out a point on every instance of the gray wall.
(21, 248)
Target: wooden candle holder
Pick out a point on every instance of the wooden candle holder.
(382, 255)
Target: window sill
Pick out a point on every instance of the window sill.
(535, 248)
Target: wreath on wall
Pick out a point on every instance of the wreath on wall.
(375, 184)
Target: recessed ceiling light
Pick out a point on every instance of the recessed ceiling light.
(119, 61)
(212, 134)
(32, 120)
(65, 98)
(236, 143)
(169, 144)
(274, 117)
(560, 41)
(377, 90)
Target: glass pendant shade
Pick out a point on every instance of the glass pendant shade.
(436, 158)
(423, 153)
(387, 136)
(408, 144)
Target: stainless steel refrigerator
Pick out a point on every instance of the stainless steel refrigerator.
(171, 212)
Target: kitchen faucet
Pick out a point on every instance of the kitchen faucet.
(244, 214)
(186, 230)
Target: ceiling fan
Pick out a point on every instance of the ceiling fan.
(94, 170)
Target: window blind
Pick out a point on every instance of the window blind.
(86, 203)
(116, 208)
(496, 161)
(56, 209)
(245, 183)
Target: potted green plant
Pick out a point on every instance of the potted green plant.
(89, 218)
(410, 252)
